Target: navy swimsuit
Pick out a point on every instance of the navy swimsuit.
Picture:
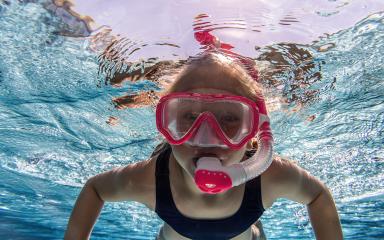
(213, 229)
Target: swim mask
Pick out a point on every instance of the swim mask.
(207, 120)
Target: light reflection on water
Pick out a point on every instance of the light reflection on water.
(63, 120)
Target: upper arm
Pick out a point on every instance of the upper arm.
(287, 180)
(131, 182)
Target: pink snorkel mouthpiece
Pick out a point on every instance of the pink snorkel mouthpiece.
(210, 177)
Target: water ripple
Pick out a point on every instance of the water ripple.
(59, 125)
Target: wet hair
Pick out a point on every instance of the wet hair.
(222, 66)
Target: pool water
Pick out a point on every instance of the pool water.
(55, 133)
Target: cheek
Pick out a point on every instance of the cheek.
(182, 153)
(236, 156)
(184, 156)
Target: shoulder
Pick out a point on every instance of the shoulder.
(132, 182)
(286, 179)
(279, 167)
(270, 177)
(139, 180)
(140, 175)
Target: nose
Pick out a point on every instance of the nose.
(205, 136)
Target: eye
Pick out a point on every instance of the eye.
(190, 116)
(230, 118)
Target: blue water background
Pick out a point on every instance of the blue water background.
(54, 135)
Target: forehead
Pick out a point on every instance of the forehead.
(214, 77)
(209, 90)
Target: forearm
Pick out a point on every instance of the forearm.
(84, 214)
(324, 218)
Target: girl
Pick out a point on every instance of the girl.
(204, 181)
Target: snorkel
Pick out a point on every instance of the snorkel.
(207, 120)
(210, 175)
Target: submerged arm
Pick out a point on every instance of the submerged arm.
(116, 185)
(292, 182)
(85, 212)
(324, 218)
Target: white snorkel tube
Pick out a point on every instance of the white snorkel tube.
(212, 177)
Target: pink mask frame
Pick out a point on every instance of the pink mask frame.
(256, 108)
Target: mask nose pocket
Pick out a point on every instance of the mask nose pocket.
(206, 136)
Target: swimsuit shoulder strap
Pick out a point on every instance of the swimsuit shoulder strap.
(253, 197)
(163, 190)
(162, 162)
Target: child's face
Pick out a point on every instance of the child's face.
(187, 155)
(209, 79)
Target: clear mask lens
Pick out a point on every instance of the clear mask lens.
(233, 119)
